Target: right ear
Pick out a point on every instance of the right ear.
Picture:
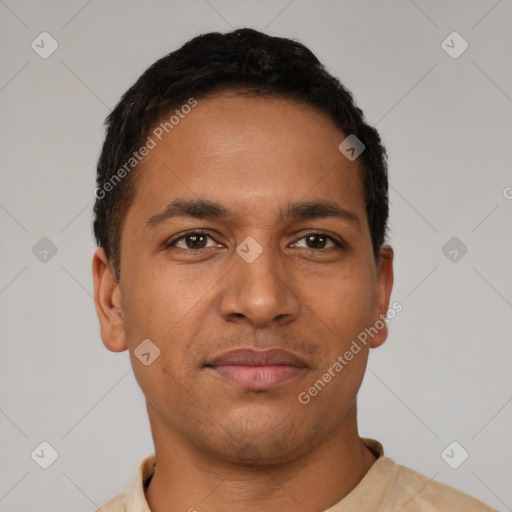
(107, 300)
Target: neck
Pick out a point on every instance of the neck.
(189, 479)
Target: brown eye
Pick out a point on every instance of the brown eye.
(195, 241)
(316, 241)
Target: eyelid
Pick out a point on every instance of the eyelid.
(337, 242)
(173, 240)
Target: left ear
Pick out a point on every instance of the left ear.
(384, 287)
(107, 300)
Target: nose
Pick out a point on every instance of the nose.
(261, 292)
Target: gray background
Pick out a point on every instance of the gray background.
(444, 373)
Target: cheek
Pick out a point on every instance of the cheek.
(156, 299)
(342, 311)
(157, 308)
(344, 305)
(166, 305)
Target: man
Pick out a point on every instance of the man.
(241, 215)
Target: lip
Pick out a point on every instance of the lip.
(254, 357)
(257, 369)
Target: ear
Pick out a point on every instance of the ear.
(107, 299)
(384, 287)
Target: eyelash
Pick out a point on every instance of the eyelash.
(171, 242)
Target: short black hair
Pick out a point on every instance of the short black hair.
(245, 61)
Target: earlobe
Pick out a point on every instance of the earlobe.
(384, 288)
(107, 300)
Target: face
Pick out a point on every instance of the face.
(246, 259)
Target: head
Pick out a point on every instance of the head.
(227, 217)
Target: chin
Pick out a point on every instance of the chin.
(256, 455)
(255, 443)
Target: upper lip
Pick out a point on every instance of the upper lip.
(255, 357)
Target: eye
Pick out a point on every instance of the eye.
(317, 241)
(193, 240)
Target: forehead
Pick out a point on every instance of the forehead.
(255, 153)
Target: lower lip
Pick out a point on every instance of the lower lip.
(258, 377)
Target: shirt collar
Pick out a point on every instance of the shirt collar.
(136, 499)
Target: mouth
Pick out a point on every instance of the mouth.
(257, 369)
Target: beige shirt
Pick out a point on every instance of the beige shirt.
(386, 487)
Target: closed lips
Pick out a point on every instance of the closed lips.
(253, 357)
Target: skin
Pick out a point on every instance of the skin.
(219, 446)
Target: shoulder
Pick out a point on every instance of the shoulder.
(117, 504)
(415, 492)
(133, 498)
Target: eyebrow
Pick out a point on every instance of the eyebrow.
(198, 209)
(319, 210)
(205, 209)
